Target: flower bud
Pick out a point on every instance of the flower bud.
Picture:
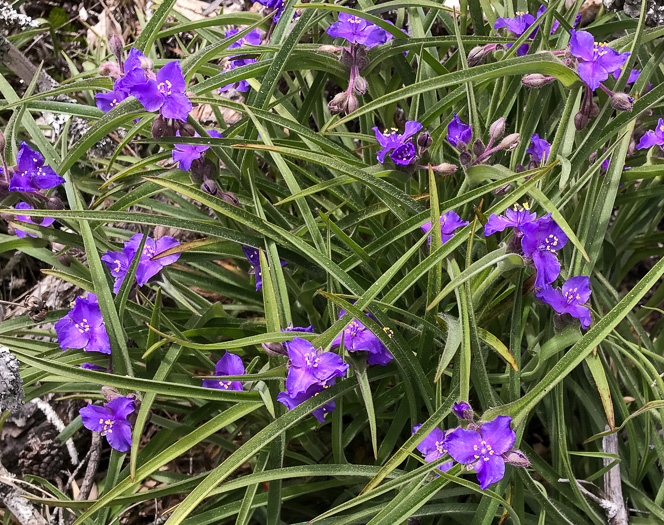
(110, 69)
(161, 128)
(361, 58)
(622, 102)
(463, 410)
(209, 186)
(199, 171)
(477, 55)
(581, 120)
(3, 143)
(274, 349)
(146, 63)
(504, 190)
(593, 110)
(445, 169)
(329, 49)
(497, 129)
(109, 392)
(229, 198)
(465, 158)
(424, 140)
(343, 103)
(516, 457)
(478, 147)
(185, 129)
(346, 58)
(54, 203)
(115, 45)
(537, 80)
(351, 105)
(510, 142)
(360, 85)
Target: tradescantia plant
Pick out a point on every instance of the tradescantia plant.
(261, 289)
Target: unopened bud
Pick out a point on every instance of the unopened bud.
(115, 45)
(146, 63)
(360, 85)
(477, 55)
(504, 190)
(361, 58)
(343, 103)
(329, 49)
(424, 140)
(274, 349)
(346, 58)
(465, 158)
(497, 129)
(536, 80)
(445, 169)
(209, 186)
(109, 392)
(463, 410)
(516, 457)
(581, 120)
(161, 128)
(478, 147)
(593, 110)
(110, 69)
(510, 142)
(229, 198)
(200, 170)
(54, 203)
(622, 102)
(185, 129)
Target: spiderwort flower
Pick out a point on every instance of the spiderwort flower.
(31, 175)
(229, 365)
(46, 221)
(107, 101)
(241, 86)
(391, 139)
(111, 419)
(358, 338)
(653, 137)
(514, 218)
(575, 293)
(517, 26)
(449, 222)
(277, 5)
(432, 447)
(309, 366)
(634, 75)
(463, 410)
(482, 449)
(459, 134)
(312, 391)
(598, 59)
(358, 31)
(83, 327)
(185, 154)
(119, 262)
(541, 240)
(167, 93)
(539, 148)
(253, 38)
(252, 255)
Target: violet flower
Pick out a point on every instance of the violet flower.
(291, 328)
(634, 75)
(111, 420)
(555, 24)
(241, 86)
(598, 59)
(459, 134)
(46, 221)
(358, 338)
(463, 410)
(90, 366)
(390, 139)
(229, 365)
(31, 175)
(252, 255)
(313, 390)
(167, 93)
(482, 449)
(131, 74)
(119, 262)
(432, 447)
(449, 222)
(570, 300)
(539, 148)
(185, 154)
(277, 5)
(541, 240)
(107, 101)
(83, 327)
(253, 38)
(309, 366)
(517, 26)
(653, 137)
(358, 31)
(514, 218)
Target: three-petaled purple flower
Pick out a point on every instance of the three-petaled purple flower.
(277, 5)
(253, 256)
(310, 366)
(513, 218)
(30, 174)
(570, 300)
(598, 59)
(119, 262)
(242, 86)
(517, 26)
(358, 31)
(358, 338)
(111, 419)
(167, 93)
(229, 365)
(482, 449)
(185, 154)
(312, 391)
(433, 447)
(392, 141)
(83, 327)
(132, 74)
(539, 148)
(46, 221)
(653, 137)
(541, 240)
(459, 134)
(449, 222)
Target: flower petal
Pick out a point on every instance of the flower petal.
(499, 434)
(229, 365)
(121, 406)
(98, 341)
(69, 336)
(119, 437)
(582, 45)
(461, 443)
(177, 106)
(489, 470)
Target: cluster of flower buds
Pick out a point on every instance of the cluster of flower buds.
(460, 136)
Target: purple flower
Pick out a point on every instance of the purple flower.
(111, 419)
(167, 93)
(555, 24)
(575, 293)
(313, 390)
(31, 175)
(449, 222)
(46, 221)
(241, 86)
(185, 154)
(291, 328)
(252, 255)
(252, 38)
(404, 155)
(277, 5)
(653, 137)
(517, 26)
(309, 366)
(433, 447)
(229, 365)
(358, 338)
(83, 327)
(90, 366)
(358, 31)
(458, 133)
(107, 101)
(514, 218)
(541, 240)
(390, 139)
(539, 148)
(598, 59)
(634, 74)
(483, 449)
(462, 410)
(119, 262)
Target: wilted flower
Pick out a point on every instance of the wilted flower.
(539, 148)
(291, 328)
(111, 419)
(463, 410)
(185, 154)
(90, 366)
(83, 327)
(358, 31)
(449, 222)
(166, 93)
(391, 139)
(653, 137)
(313, 390)
(541, 240)
(598, 59)
(458, 133)
(252, 255)
(358, 338)
(514, 218)
(46, 221)
(575, 293)
(433, 447)
(277, 5)
(229, 365)
(310, 366)
(30, 174)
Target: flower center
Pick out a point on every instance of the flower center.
(165, 87)
(353, 328)
(484, 451)
(599, 49)
(147, 251)
(225, 384)
(571, 295)
(388, 331)
(355, 20)
(114, 102)
(311, 359)
(108, 425)
(390, 132)
(524, 206)
(118, 267)
(550, 244)
(83, 326)
(440, 448)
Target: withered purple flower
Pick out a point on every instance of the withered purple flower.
(45, 222)
(459, 134)
(185, 154)
(539, 148)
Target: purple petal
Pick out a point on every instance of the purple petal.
(648, 140)
(461, 443)
(411, 127)
(94, 416)
(107, 101)
(592, 74)
(69, 336)
(548, 267)
(229, 365)
(328, 365)
(496, 223)
(21, 181)
(134, 60)
(458, 133)
(499, 434)
(28, 159)
(121, 406)
(539, 148)
(380, 358)
(578, 287)
(98, 340)
(433, 442)
(582, 45)
(177, 106)
(166, 243)
(131, 81)
(298, 351)
(611, 60)
(252, 255)
(404, 155)
(581, 313)
(45, 178)
(170, 78)
(119, 437)
(299, 380)
(149, 95)
(90, 366)
(489, 470)
(553, 298)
